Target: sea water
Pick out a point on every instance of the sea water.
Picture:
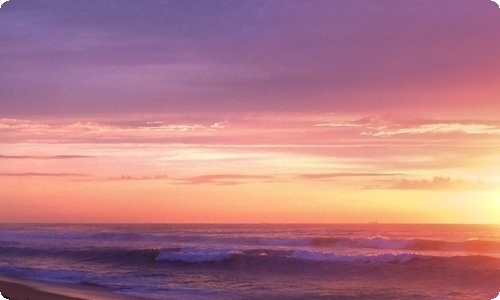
(261, 261)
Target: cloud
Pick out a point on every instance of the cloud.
(145, 177)
(34, 174)
(440, 183)
(326, 176)
(14, 130)
(338, 124)
(20, 124)
(87, 57)
(219, 125)
(392, 125)
(110, 126)
(44, 157)
(224, 179)
(438, 128)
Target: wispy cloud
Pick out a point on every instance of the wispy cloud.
(387, 126)
(438, 128)
(34, 174)
(224, 179)
(326, 176)
(288, 129)
(219, 125)
(145, 177)
(170, 127)
(213, 179)
(14, 130)
(21, 124)
(440, 183)
(339, 124)
(43, 157)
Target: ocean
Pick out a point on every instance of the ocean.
(260, 261)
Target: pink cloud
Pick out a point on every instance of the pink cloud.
(34, 174)
(43, 157)
(437, 128)
(441, 183)
(327, 176)
(144, 177)
(225, 179)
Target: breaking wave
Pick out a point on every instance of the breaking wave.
(194, 255)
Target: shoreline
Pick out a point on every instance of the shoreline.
(14, 288)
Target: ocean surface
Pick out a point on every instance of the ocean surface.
(261, 261)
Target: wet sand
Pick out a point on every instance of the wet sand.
(20, 289)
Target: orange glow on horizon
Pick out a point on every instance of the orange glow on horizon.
(311, 170)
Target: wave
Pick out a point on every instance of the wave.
(111, 255)
(375, 242)
(203, 255)
(193, 255)
(170, 239)
(415, 244)
(477, 246)
(269, 256)
(38, 235)
(264, 257)
(357, 258)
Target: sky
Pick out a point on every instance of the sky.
(221, 111)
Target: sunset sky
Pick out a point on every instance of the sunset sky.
(250, 111)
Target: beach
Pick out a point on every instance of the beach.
(16, 291)
(22, 289)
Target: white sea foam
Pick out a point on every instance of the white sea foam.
(354, 258)
(2, 2)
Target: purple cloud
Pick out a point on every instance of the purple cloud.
(94, 57)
